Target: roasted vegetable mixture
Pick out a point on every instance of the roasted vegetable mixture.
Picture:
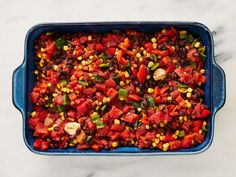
(122, 88)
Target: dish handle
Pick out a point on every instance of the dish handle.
(18, 88)
(219, 90)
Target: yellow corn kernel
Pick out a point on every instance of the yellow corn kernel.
(150, 90)
(134, 65)
(33, 114)
(80, 66)
(189, 95)
(174, 61)
(122, 83)
(114, 144)
(44, 56)
(83, 63)
(166, 146)
(68, 90)
(64, 89)
(200, 131)
(65, 47)
(139, 109)
(157, 140)
(148, 55)
(43, 75)
(177, 132)
(148, 77)
(121, 98)
(185, 118)
(162, 124)
(197, 44)
(154, 125)
(55, 67)
(90, 38)
(162, 137)
(169, 98)
(49, 84)
(126, 74)
(42, 49)
(163, 30)
(116, 121)
(39, 55)
(140, 59)
(165, 121)
(104, 100)
(190, 90)
(154, 144)
(36, 72)
(154, 45)
(202, 71)
(188, 104)
(141, 48)
(79, 58)
(50, 128)
(174, 136)
(75, 141)
(147, 126)
(138, 89)
(150, 64)
(90, 57)
(158, 135)
(144, 52)
(138, 55)
(204, 123)
(71, 119)
(127, 81)
(180, 118)
(132, 141)
(46, 97)
(41, 63)
(154, 40)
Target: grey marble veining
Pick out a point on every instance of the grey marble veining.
(17, 17)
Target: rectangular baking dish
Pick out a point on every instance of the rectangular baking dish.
(24, 80)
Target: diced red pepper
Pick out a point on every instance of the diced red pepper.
(112, 93)
(131, 117)
(115, 112)
(142, 73)
(134, 97)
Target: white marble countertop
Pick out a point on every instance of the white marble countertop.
(16, 17)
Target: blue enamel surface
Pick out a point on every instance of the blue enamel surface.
(24, 79)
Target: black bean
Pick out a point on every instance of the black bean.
(111, 68)
(58, 61)
(109, 56)
(145, 103)
(182, 43)
(171, 88)
(182, 61)
(136, 83)
(56, 128)
(181, 113)
(140, 85)
(136, 60)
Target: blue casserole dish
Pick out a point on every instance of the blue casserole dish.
(24, 80)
